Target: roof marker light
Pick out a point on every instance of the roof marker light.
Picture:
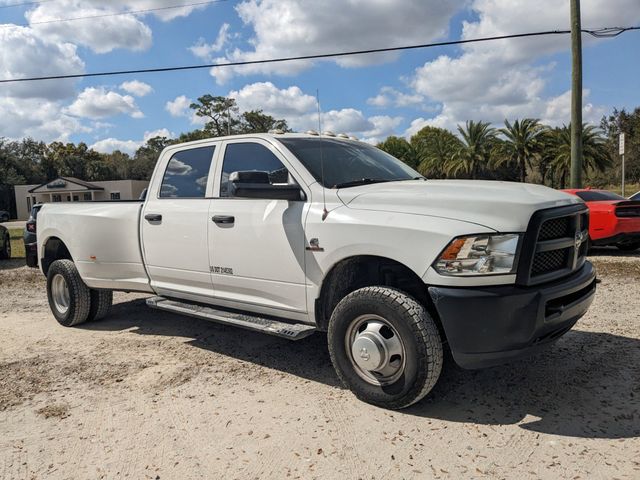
(311, 132)
(328, 133)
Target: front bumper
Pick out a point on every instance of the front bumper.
(488, 326)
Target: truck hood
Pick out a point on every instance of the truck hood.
(501, 206)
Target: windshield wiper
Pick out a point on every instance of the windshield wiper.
(362, 181)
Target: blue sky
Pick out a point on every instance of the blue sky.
(369, 96)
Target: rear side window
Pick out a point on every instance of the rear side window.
(251, 157)
(187, 173)
(598, 196)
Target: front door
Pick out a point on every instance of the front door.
(174, 226)
(257, 245)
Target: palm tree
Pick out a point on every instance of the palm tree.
(478, 138)
(522, 143)
(595, 154)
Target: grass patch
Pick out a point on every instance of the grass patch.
(17, 243)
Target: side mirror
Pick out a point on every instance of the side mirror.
(256, 184)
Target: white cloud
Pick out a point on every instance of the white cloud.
(109, 145)
(178, 107)
(109, 29)
(136, 88)
(492, 81)
(24, 54)
(161, 132)
(286, 102)
(383, 126)
(36, 118)
(389, 96)
(97, 102)
(204, 50)
(100, 34)
(284, 28)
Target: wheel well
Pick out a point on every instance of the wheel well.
(54, 249)
(365, 271)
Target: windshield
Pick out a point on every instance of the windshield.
(347, 163)
(598, 196)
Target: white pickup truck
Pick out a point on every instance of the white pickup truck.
(290, 234)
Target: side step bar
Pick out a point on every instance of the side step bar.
(292, 331)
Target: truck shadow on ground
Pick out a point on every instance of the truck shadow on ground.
(586, 385)
(611, 252)
(12, 264)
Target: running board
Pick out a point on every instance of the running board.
(292, 331)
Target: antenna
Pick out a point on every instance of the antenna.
(325, 212)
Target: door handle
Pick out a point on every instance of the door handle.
(153, 217)
(224, 219)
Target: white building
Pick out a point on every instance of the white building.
(69, 189)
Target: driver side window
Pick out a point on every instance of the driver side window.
(251, 157)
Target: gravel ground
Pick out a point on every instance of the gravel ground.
(147, 394)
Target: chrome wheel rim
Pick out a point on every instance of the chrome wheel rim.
(375, 349)
(60, 293)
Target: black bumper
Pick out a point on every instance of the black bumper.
(487, 326)
(31, 252)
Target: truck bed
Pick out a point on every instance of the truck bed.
(103, 239)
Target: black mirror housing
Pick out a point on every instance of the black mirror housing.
(256, 184)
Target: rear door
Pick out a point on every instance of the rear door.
(174, 224)
(257, 245)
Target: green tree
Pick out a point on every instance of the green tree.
(521, 145)
(220, 114)
(256, 121)
(622, 121)
(434, 148)
(596, 156)
(145, 158)
(401, 149)
(474, 153)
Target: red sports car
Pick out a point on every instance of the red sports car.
(613, 220)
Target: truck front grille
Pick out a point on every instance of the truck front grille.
(555, 244)
(545, 262)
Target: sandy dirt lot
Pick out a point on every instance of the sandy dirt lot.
(146, 394)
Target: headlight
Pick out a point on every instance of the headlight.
(479, 255)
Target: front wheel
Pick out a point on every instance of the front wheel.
(385, 347)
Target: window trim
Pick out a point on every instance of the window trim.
(274, 150)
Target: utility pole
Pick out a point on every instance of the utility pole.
(621, 152)
(576, 95)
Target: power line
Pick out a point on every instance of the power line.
(24, 4)
(309, 57)
(104, 15)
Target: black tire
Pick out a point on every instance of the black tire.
(628, 247)
(419, 336)
(101, 301)
(79, 296)
(5, 252)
